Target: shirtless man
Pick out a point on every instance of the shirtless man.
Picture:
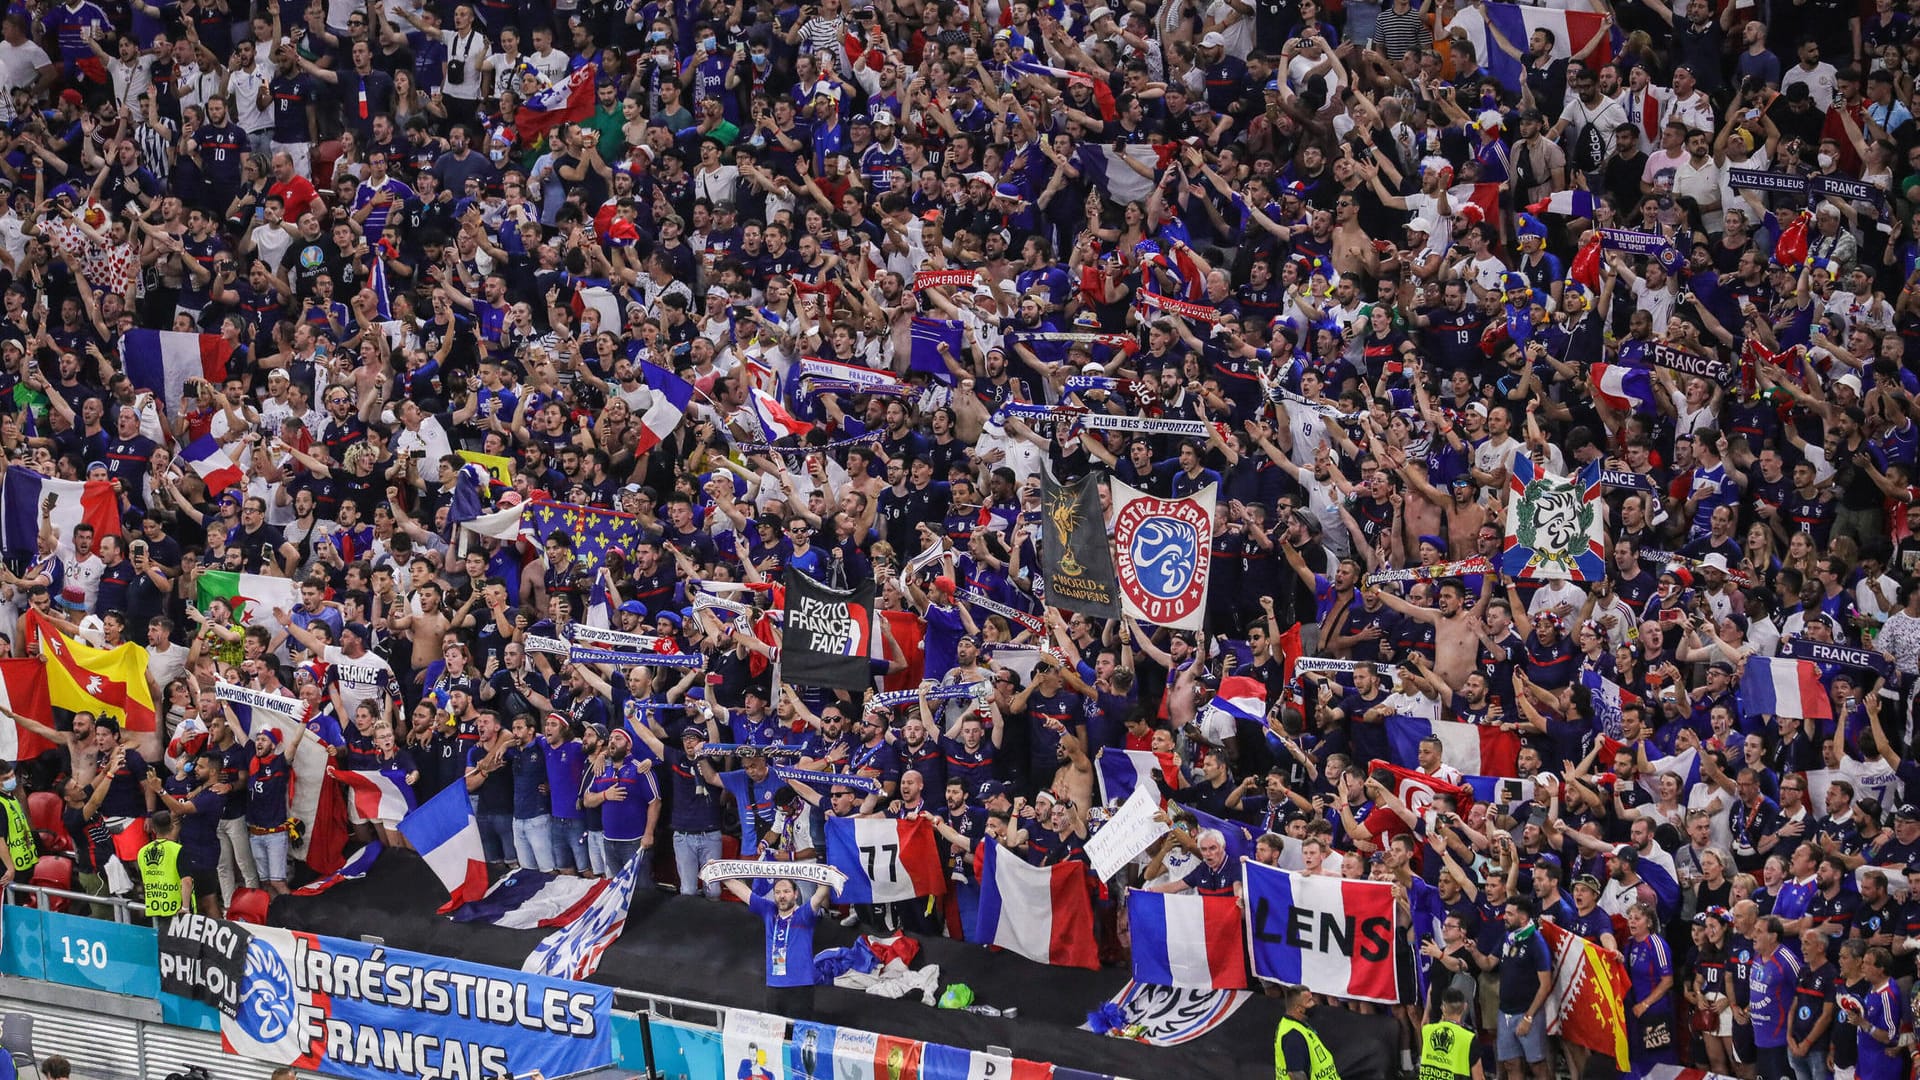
(427, 629)
(1074, 782)
(1463, 512)
(1456, 645)
(78, 742)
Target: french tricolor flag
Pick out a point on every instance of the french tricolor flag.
(164, 360)
(1776, 687)
(1186, 940)
(1621, 387)
(1040, 912)
(1331, 935)
(375, 795)
(443, 831)
(1241, 698)
(671, 395)
(1476, 749)
(1570, 203)
(774, 419)
(212, 463)
(1120, 771)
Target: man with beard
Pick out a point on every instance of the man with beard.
(629, 800)
(789, 944)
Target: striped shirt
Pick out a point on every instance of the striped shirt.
(1399, 32)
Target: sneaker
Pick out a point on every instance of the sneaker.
(852, 919)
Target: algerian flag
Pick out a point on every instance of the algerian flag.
(252, 596)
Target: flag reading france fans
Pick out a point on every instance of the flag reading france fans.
(827, 634)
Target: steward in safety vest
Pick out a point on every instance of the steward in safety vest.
(167, 891)
(1298, 1053)
(23, 848)
(1446, 1046)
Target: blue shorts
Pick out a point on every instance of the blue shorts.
(1513, 1046)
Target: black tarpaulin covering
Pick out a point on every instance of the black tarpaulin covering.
(701, 950)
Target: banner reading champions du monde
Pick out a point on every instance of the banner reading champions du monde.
(367, 1012)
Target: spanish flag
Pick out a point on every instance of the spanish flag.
(1588, 1005)
(81, 678)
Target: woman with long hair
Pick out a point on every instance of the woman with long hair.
(1708, 991)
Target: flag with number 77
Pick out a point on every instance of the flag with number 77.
(885, 859)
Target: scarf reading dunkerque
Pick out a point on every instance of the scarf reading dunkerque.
(944, 279)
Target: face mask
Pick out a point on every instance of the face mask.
(657, 36)
(709, 44)
(9, 783)
(760, 59)
(1826, 161)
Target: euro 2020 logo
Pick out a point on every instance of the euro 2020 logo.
(266, 996)
(1162, 551)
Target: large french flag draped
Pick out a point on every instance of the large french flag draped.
(1186, 940)
(1620, 386)
(671, 395)
(565, 102)
(1332, 935)
(1571, 31)
(163, 361)
(528, 899)
(1480, 749)
(75, 501)
(1039, 912)
(212, 463)
(885, 859)
(443, 831)
(357, 866)
(1776, 687)
(375, 794)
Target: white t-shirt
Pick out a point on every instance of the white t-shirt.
(1821, 82)
(20, 64)
(245, 85)
(361, 680)
(552, 65)
(471, 50)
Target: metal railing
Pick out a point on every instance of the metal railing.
(123, 909)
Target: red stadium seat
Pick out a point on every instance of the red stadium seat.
(54, 872)
(44, 810)
(249, 906)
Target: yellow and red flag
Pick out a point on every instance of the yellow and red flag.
(81, 678)
(1588, 1005)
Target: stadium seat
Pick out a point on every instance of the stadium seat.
(249, 906)
(44, 810)
(54, 872)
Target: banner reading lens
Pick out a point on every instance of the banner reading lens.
(370, 1013)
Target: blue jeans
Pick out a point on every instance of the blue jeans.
(570, 843)
(1811, 1067)
(270, 855)
(533, 842)
(691, 851)
(597, 853)
(496, 835)
(622, 852)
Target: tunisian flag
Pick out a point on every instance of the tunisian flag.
(1590, 986)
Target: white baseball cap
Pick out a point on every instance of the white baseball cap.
(1420, 225)
(1213, 40)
